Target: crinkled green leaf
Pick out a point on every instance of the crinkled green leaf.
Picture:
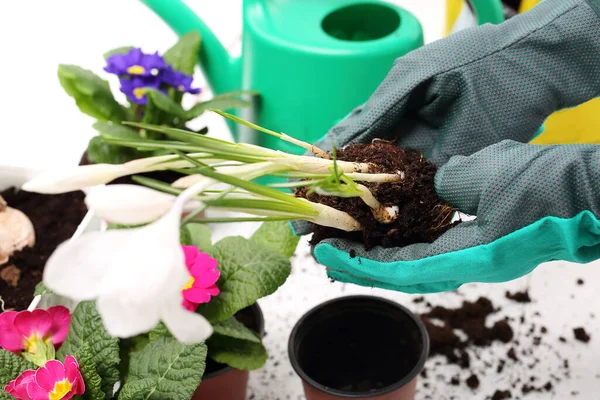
(236, 353)
(11, 366)
(234, 329)
(40, 288)
(100, 152)
(184, 54)
(86, 327)
(91, 93)
(118, 50)
(164, 370)
(159, 331)
(219, 104)
(249, 272)
(277, 236)
(201, 236)
(185, 237)
(87, 366)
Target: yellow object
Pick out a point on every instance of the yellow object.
(527, 5)
(580, 124)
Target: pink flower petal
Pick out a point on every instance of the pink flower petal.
(213, 290)
(204, 263)
(196, 295)
(47, 376)
(21, 384)
(72, 369)
(189, 305)
(61, 319)
(206, 279)
(190, 253)
(35, 392)
(10, 337)
(36, 321)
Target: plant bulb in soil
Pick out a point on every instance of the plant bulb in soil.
(422, 216)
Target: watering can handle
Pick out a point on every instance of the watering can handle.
(220, 68)
(488, 11)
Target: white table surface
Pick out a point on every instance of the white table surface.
(41, 127)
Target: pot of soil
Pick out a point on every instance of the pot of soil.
(221, 381)
(359, 347)
(55, 219)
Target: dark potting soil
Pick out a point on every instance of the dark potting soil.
(423, 216)
(519, 297)
(581, 335)
(55, 219)
(163, 176)
(464, 339)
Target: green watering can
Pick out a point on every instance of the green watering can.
(312, 61)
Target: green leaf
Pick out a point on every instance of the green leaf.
(86, 327)
(221, 104)
(113, 226)
(249, 272)
(44, 353)
(100, 152)
(234, 329)
(240, 354)
(91, 93)
(40, 289)
(11, 366)
(115, 130)
(118, 50)
(164, 103)
(185, 237)
(200, 236)
(165, 370)
(160, 331)
(277, 236)
(87, 366)
(184, 54)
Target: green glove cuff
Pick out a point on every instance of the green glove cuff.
(576, 240)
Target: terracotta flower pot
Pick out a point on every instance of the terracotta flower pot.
(223, 382)
(359, 347)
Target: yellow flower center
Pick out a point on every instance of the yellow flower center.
(31, 343)
(139, 92)
(60, 389)
(136, 70)
(189, 284)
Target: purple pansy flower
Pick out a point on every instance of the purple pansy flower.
(135, 88)
(135, 63)
(178, 80)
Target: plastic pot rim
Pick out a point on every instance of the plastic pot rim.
(358, 395)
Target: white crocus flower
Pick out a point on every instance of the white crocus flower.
(131, 204)
(135, 275)
(69, 179)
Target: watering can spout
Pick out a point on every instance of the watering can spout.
(222, 71)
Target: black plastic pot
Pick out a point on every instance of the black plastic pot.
(223, 382)
(359, 347)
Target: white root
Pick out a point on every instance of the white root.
(334, 218)
(381, 213)
(16, 231)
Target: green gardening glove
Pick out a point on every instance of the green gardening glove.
(533, 204)
(465, 96)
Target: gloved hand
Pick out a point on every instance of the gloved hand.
(463, 96)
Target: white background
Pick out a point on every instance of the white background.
(41, 127)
